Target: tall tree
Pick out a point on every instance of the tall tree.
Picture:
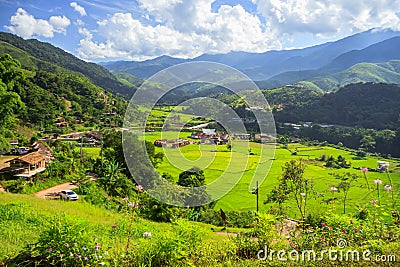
(193, 177)
(10, 102)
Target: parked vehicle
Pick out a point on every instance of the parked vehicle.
(23, 150)
(68, 195)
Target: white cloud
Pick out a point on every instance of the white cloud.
(81, 10)
(186, 29)
(329, 17)
(86, 33)
(27, 26)
(79, 22)
(59, 23)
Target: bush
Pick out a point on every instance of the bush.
(242, 219)
(67, 242)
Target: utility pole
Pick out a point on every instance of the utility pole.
(255, 192)
(81, 147)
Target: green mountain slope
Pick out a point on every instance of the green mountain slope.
(367, 105)
(45, 53)
(388, 72)
(37, 97)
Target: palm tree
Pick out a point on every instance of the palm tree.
(110, 175)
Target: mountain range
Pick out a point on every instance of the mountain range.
(55, 83)
(277, 68)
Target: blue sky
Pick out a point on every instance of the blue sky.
(103, 30)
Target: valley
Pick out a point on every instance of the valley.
(330, 172)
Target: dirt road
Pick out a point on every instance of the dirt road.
(55, 189)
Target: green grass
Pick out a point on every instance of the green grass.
(240, 197)
(91, 152)
(23, 219)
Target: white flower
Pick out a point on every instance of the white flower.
(388, 188)
(146, 234)
(334, 188)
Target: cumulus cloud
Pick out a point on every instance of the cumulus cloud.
(81, 10)
(188, 28)
(329, 17)
(86, 33)
(27, 26)
(184, 29)
(59, 24)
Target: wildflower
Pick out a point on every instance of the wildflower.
(378, 181)
(388, 188)
(59, 255)
(131, 204)
(125, 199)
(114, 226)
(97, 247)
(78, 257)
(139, 187)
(50, 249)
(356, 231)
(86, 258)
(303, 194)
(344, 230)
(374, 201)
(84, 248)
(127, 248)
(71, 254)
(364, 169)
(78, 253)
(323, 224)
(102, 263)
(334, 188)
(67, 245)
(146, 234)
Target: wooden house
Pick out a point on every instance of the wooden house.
(28, 165)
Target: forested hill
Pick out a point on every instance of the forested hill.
(41, 100)
(46, 56)
(366, 105)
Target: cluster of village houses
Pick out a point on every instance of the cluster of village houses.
(211, 137)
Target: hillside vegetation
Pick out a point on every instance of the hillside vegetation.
(36, 55)
(364, 105)
(36, 98)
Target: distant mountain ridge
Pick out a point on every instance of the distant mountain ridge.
(264, 66)
(348, 65)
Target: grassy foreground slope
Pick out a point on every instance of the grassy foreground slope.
(82, 233)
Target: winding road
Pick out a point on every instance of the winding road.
(55, 189)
